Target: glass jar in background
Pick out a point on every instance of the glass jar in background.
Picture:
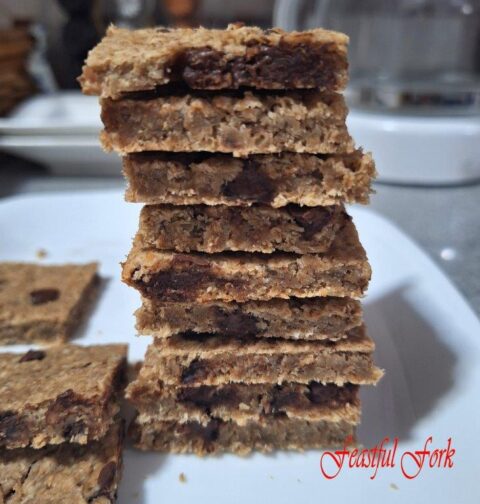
(414, 91)
(403, 53)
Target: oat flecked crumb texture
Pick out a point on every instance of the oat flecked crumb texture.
(44, 304)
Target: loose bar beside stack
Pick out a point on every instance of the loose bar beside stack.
(249, 267)
(60, 432)
(44, 304)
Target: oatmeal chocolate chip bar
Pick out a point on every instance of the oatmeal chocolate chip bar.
(168, 276)
(218, 436)
(212, 229)
(63, 393)
(242, 403)
(206, 359)
(44, 303)
(215, 59)
(241, 122)
(273, 179)
(66, 473)
(307, 319)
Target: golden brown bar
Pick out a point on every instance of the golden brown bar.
(240, 122)
(203, 359)
(307, 319)
(202, 58)
(218, 437)
(167, 276)
(273, 179)
(263, 229)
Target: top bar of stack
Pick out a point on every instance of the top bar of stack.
(127, 61)
(208, 120)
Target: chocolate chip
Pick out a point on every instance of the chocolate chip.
(72, 429)
(262, 66)
(107, 475)
(281, 398)
(32, 355)
(187, 274)
(208, 397)
(42, 296)
(202, 397)
(312, 220)
(236, 323)
(331, 394)
(194, 336)
(12, 426)
(195, 371)
(250, 184)
(66, 399)
(201, 68)
(65, 403)
(319, 394)
(209, 433)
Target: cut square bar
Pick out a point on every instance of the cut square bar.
(240, 56)
(44, 303)
(305, 319)
(273, 179)
(241, 122)
(61, 394)
(201, 359)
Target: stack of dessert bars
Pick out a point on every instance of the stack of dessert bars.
(249, 267)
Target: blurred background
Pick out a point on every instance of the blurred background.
(414, 98)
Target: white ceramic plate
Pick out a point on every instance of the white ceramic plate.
(428, 340)
(62, 113)
(65, 155)
(59, 130)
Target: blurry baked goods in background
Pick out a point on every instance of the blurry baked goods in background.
(182, 12)
(16, 84)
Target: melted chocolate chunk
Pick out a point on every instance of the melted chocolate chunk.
(72, 429)
(331, 395)
(208, 397)
(194, 372)
(284, 66)
(208, 433)
(172, 285)
(42, 296)
(107, 475)
(201, 397)
(195, 336)
(32, 355)
(181, 282)
(312, 220)
(236, 323)
(12, 426)
(250, 184)
(62, 406)
(281, 398)
(66, 399)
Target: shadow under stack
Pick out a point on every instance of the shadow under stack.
(249, 267)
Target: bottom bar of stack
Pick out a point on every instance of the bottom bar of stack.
(218, 436)
(207, 393)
